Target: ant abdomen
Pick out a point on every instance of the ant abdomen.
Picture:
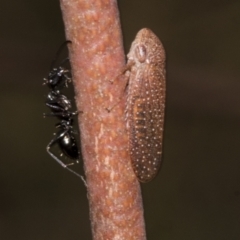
(68, 145)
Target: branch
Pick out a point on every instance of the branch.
(97, 57)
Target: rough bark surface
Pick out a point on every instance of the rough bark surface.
(97, 57)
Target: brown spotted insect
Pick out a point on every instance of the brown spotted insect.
(145, 104)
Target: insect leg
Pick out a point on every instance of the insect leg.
(51, 143)
(124, 70)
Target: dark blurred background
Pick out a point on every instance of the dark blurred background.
(197, 193)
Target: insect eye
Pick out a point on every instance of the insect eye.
(141, 53)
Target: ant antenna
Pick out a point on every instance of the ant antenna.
(59, 52)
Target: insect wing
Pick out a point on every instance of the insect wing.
(146, 125)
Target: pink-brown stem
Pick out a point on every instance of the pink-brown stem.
(97, 57)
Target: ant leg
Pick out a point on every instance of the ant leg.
(55, 107)
(68, 79)
(76, 113)
(45, 80)
(54, 141)
(53, 114)
(62, 114)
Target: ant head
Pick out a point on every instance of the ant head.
(58, 78)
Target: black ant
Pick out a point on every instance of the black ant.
(60, 106)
